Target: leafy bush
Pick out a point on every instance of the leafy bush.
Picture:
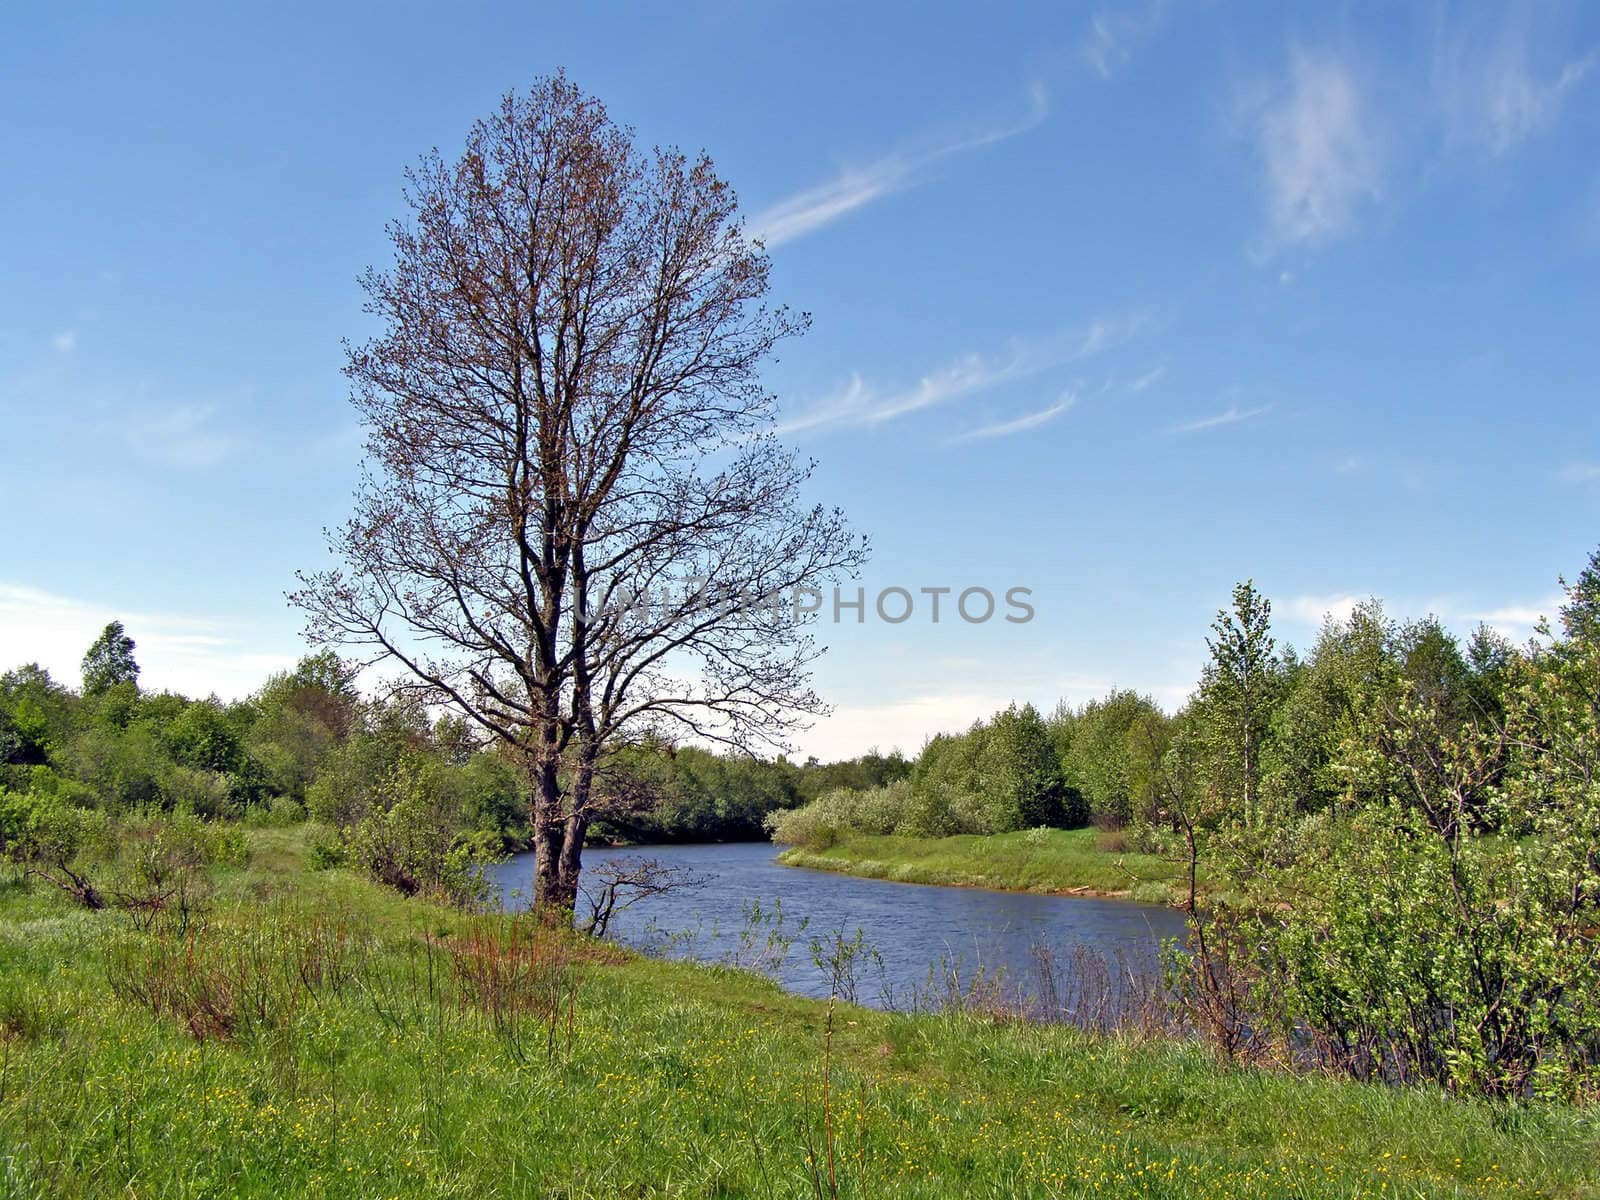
(281, 812)
(1418, 946)
(940, 808)
(155, 866)
(326, 849)
(1021, 774)
(161, 870)
(124, 767)
(412, 837)
(1407, 957)
(1106, 749)
(819, 824)
(192, 789)
(55, 841)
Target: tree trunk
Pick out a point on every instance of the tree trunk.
(571, 863)
(577, 826)
(546, 804)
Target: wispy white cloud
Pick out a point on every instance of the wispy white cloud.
(1488, 87)
(1232, 415)
(1113, 33)
(1313, 610)
(64, 342)
(853, 188)
(1332, 129)
(1022, 424)
(860, 404)
(1320, 151)
(1517, 621)
(1147, 380)
(177, 652)
(1517, 615)
(182, 435)
(906, 723)
(1579, 473)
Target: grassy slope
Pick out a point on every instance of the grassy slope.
(680, 1080)
(1055, 860)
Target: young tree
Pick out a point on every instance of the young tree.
(948, 785)
(564, 414)
(1238, 692)
(1416, 948)
(109, 661)
(1580, 614)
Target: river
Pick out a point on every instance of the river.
(919, 932)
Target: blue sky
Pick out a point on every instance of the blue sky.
(1118, 303)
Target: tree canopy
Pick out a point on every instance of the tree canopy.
(109, 661)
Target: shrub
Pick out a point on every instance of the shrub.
(125, 768)
(930, 813)
(159, 867)
(280, 812)
(56, 842)
(232, 981)
(1020, 774)
(326, 848)
(816, 825)
(941, 809)
(1401, 954)
(819, 824)
(412, 839)
(209, 793)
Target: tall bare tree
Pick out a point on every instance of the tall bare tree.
(572, 488)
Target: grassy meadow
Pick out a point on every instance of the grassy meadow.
(1054, 861)
(317, 1035)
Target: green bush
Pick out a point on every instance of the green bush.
(940, 808)
(160, 871)
(897, 807)
(280, 812)
(413, 840)
(326, 849)
(55, 841)
(193, 789)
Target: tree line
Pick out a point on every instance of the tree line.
(419, 799)
(1269, 728)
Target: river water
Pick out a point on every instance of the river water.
(919, 932)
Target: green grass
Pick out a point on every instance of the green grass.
(677, 1080)
(1056, 861)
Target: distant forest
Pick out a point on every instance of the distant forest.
(1275, 728)
(308, 744)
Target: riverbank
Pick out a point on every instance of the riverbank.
(319, 1035)
(1063, 862)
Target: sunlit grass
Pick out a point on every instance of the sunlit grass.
(673, 1080)
(1037, 860)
